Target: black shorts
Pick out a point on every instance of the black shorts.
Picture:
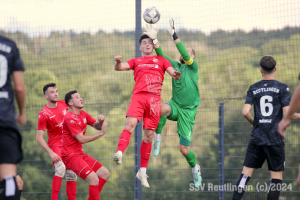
(256, 156)
(10, 146)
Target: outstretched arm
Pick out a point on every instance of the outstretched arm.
(119, 66)
(181, 48)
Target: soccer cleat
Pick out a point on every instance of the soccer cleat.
(143, 178)
(118, 158)
(156, 148)
(197, 177)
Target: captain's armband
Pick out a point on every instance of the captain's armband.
(190, 62)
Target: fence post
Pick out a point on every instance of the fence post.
(59, 195)
(138, 190)
(221, 150)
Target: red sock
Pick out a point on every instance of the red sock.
(101, 184)
(71, 190)
(94, 192)
(145, 153)
(124, 140)
(56, 183)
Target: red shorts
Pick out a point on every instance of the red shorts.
(56, 149)
(147, 106)
(82, 165)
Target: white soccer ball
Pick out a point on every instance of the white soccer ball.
(151, 15)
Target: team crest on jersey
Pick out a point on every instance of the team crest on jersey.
(265, 85)
(155, 60)
(64, 112)
(84, 120)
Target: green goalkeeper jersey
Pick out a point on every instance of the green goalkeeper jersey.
(185, 91)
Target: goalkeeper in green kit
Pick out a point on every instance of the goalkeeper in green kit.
(184, 102)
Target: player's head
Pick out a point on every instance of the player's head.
(73, 99)
(191, 53)
(146, 45)
(51, 92)
(267, 64)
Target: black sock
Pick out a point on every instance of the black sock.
(274, 189)
(10, 189)
(240, 190)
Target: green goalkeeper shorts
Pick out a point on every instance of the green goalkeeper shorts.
(185, 119)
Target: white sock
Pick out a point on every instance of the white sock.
(195, 169)
(157, 137)
(143, 170)
(120, 152)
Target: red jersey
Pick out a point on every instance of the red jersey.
(51, 119)
(149, 73)
(74, 124)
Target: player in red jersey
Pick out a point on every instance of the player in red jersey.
(145, 102)
(51, 119)
(74, 128)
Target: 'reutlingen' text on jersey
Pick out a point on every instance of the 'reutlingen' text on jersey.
(268, 97)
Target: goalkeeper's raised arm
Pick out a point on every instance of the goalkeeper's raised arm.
(187, 54)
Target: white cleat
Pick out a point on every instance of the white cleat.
(143, 178)
(118, 157)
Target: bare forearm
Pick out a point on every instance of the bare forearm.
(43, 144)
(177, 40)
(249, 118)
(294, 105)
(295, 116)
(90, 138)
(21, 96)
(118, 66)
(98, 125)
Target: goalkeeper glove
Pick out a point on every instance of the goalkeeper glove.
(171, 29)
(151, 32)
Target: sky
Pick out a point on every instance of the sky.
(40, 17)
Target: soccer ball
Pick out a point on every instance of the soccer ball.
(151, 15)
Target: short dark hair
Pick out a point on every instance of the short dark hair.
(68, 96)
(45, 88)
(267, 63)
(143, 37)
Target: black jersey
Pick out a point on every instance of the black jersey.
(268, 97)
(10, 61)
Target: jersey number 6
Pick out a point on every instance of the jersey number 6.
(266, 104)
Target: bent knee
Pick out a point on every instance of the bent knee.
(184, 150)
(131, 123)
(60, 169)
(165, 109)
(92, 179)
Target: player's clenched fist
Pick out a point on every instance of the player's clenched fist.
(101, 118)
(176, 75)
(118, 59)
